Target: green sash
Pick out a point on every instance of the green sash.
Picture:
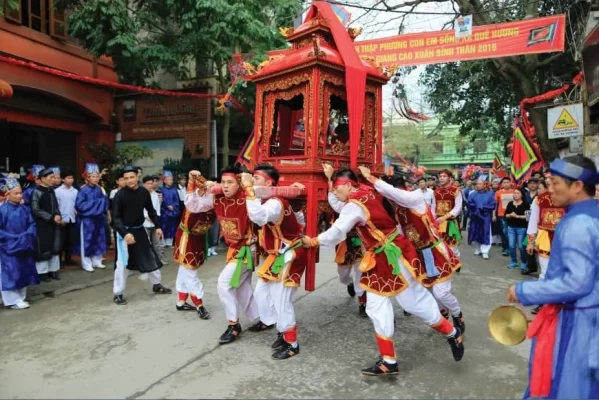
(453, 231)
(355, 241)
(279, 263)
(243, 257)
(392, 252)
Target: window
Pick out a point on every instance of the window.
(288, 137)
(39, 15)
(437, 147)
(479, 146)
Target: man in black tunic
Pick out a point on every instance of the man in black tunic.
(44, 208)
(133, 248)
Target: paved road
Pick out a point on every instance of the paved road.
(81, 345)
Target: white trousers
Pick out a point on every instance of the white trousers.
(51, 265)
(442, 293)
(88, 263)
(456, 251)
(345, 277)
(168, 242)
(415, 299)
(189, 282)
(242, 297)
(275, 303)
(483, 248)
(120, 278)
(543, 263)
(12, 297)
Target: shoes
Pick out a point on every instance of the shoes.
(458, 270)
(457, 345)
(100, 266)
(505, 253)
(260, 326)
(231, 334)
(512, 265)
(381, 368)
(203, 313)
(524, 271)
(351, 290)
(458, 323)
(485, 256)
(212, 252)
(185, 307)
(120, 300)
(44, 278)
(159, 289)
(54, 275)
(445, 314)
(279, 342)
(20, 305)
(286, 351)
(362, 311)
(406, 314)
(477, 252)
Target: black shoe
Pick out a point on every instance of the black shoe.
(185, 307)
(406, 314)
(231, 334)
(120, 300)
(351, 290)
(44, 278)
(536, 310)
(458, 270)
(458, 323)
(54, 275)
(159, 289)
(204, 314)
(524, 272)
(286, 351)
(457, 345)
(280, 342)
(260, 326)
(362, 311)
(381, 368)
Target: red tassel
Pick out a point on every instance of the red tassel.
(290, 335)
(444, 327)
(182, 296)
(386, 347)
(196, 302)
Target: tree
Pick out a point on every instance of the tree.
(409, 141)
(144, 37)
(484, 95)
(115, 158)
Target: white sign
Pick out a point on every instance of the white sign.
(576, 144)
(463, 27)
(565, 121)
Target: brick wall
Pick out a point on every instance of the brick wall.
(152, 117)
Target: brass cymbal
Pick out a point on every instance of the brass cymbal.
(508, 325)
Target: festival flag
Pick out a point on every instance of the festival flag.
(246, 155)
(524, 158)
(497, 164)
(340, 11)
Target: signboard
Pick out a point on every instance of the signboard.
(590, 59)
(576, 143)
(531, 36)
(565, 121)
(463, 27)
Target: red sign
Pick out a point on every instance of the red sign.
(532, 36)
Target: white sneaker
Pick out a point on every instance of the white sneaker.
(90, 269)
(100, 266)
(477, 252)
(20, 305)
(486, 256)
(213, 249)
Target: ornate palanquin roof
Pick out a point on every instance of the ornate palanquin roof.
(312, 43)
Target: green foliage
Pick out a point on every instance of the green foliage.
(145, 36)
(482, 97)
(408, 140)
(10, 5)
(113, 158)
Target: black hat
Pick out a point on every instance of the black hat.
(45, 172)
(126, 169)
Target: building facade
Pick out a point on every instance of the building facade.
(50, 118)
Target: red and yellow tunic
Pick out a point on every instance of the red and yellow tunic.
(549, 216)
(349, 252)
(445, 198)
(235, 225)
(285, 232)
(378, 234)
(422, 232)
(190, 239)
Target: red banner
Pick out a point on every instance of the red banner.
(532, 36)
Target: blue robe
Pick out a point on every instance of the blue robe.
(17, 247)
(91, 206)
(27, 193)
(169, 219)
(572, 280)
(480, 207)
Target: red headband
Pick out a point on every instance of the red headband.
(230, 175)
(344, 181)
(264, 175)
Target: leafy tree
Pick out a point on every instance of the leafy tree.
(144, 37)
(483, 96)
(409, 141)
